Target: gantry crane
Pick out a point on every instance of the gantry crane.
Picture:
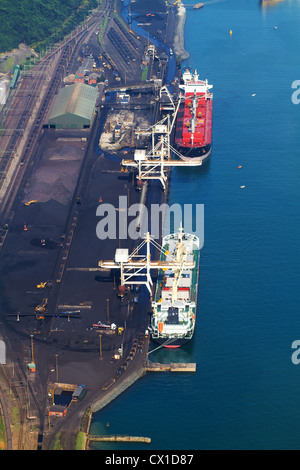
(152, 164)
(136, 267)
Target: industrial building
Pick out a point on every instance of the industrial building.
(57, 411)
(74, 107)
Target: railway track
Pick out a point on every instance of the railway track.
(21, 388)
(21, 121)
(22, 117)
(5, 413)
(13, 387)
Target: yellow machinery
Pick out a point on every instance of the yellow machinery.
(42, 306)
(42, 285)
(30, 202)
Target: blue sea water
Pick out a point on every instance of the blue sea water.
(246, 391)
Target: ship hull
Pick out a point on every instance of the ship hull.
(194, 155)
(193, 134)
(171, 344)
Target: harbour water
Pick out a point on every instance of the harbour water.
(245, 392)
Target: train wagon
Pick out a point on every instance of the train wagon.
(16, 73)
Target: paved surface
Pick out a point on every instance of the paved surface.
(59, 234)
(69, 351)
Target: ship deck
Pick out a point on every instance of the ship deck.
(193, 129)
(188, 283)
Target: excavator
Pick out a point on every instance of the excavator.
(42, 285)
(30, 202)
(42, 306)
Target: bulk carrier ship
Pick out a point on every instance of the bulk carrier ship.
(194, 119)
(175, 302)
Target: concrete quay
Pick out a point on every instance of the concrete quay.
(119, 438)
(172, 367)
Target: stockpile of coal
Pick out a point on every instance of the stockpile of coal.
(144, 6)
(153, 12)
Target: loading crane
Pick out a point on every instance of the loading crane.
(136, 267)
(153, 164)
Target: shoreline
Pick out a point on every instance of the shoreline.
(178, 42)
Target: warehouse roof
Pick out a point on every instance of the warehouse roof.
(79, 99)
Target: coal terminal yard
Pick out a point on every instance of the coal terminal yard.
(65, 322)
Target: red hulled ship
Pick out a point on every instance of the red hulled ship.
(194, 119)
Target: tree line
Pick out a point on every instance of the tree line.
(38, 23)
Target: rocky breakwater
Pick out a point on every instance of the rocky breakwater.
(178, 45)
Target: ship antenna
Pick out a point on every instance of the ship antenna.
(180, 231)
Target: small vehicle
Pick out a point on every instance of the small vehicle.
(42, 306)
(42, 285)
(30, 202)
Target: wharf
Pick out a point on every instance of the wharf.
(119, 438)
(71, 350)
(172, 367)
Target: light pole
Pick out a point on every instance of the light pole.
(100, 337)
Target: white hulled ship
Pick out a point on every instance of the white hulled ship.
(175, 303)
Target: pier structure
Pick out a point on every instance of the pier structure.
(119, 438)
(172, 367)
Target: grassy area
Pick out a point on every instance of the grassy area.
(58, 444)
(80, 441)
(6, 65)
(2, 435)
(144, 74)
(103, 28)
(15, 418)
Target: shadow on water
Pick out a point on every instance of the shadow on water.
(163, 355)
(194, 171)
